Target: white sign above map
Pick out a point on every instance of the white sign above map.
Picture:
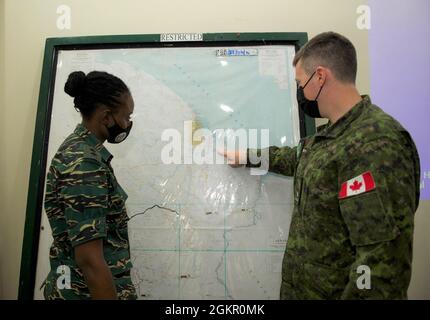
(175, 37)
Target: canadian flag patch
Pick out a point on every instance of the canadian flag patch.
(360, 184)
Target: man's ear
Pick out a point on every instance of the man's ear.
(321, 74)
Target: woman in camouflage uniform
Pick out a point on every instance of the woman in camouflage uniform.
(90, 255)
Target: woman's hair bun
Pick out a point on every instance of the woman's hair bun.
(75, 84)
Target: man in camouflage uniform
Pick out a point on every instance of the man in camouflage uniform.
(356, 187)
(84, 202)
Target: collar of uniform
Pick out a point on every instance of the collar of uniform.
(332, 131)
(92, 140)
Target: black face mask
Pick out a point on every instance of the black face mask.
(309, 107)
(118, 134)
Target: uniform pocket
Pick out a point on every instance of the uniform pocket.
(117, 198)
(367, 220)
(324, 282)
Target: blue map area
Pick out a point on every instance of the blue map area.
(227, 92)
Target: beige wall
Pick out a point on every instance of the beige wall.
(27, 23)
(3, 251)
(420, 282)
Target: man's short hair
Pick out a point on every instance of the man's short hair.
(330, 50)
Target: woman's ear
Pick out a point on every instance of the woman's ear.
(104, 115)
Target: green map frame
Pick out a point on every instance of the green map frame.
(41, 136)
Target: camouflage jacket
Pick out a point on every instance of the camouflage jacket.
(84, 202)
(356, 189)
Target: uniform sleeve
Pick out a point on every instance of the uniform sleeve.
(277, 160)
(84, 191)
(379, 221)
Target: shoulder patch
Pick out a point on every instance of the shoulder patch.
(360, 184)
